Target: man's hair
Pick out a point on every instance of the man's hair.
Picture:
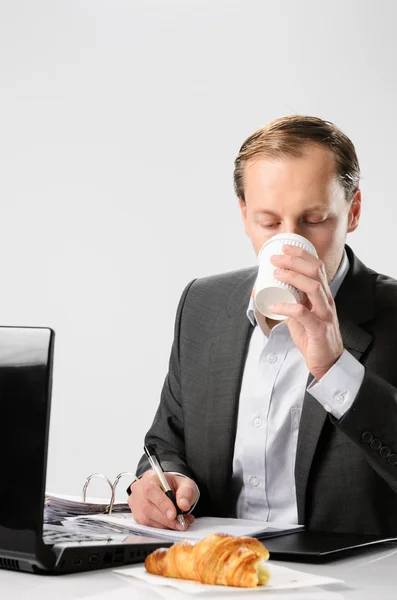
(288, 136)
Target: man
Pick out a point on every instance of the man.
(294, 421)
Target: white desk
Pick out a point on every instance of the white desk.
(370, 575)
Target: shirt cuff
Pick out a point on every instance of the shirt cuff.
(338, 388)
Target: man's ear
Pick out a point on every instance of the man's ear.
(354, 212)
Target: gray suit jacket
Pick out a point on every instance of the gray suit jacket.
(346, 470)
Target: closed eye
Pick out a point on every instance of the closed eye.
(273, 225)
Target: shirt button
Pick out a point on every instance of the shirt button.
(340, 398)
(254, 481)
(327, 407)
(257, 422)
(272, 358)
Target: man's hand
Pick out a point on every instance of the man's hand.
(313, 326)
(150, 506)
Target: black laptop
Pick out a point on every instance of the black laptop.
(26, 356)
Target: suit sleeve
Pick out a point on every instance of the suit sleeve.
(372, 423)
(167, 430)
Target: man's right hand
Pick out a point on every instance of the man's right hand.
(150, 506)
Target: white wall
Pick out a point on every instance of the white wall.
(119, 124)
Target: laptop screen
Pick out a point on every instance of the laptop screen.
(25, 395)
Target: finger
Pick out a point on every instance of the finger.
(311, 268)
(150, 513)
(170, 523)
(186, 493)
(156, 496)
(150, 516)
(297, 251)
(313, 289)
(152, 523)
(298, 259)
(298, 312)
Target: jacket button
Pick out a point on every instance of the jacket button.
(367, 437)
(376, 444)
(392, 459)
(385, 452)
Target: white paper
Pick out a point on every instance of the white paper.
(142, 590)
(201, 527)
(58, 507)
(281, 578)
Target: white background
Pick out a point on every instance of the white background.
(119, 124)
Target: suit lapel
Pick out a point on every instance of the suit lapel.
(351, 309)
(311, 424)
(228, 354)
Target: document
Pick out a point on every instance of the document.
(58, 507)
(202, 526)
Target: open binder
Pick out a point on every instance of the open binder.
(58, 507)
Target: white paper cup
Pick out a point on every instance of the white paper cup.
(269, 290)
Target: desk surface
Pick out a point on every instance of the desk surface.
(371, 574)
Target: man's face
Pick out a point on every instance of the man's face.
(299, 195)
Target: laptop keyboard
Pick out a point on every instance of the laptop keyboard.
(58, 534)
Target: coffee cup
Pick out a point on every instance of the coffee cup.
(268, 289)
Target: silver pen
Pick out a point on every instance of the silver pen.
(155, 463)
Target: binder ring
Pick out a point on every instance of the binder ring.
(87, 481)
(119, 476)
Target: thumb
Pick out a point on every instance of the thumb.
(186, 492)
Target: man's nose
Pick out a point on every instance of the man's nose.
(290, 228)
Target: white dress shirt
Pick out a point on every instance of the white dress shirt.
(271, 398)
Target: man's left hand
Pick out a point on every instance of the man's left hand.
(314, 325)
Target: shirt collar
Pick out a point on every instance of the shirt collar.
(333, 286)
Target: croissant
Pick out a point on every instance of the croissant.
(218, 559)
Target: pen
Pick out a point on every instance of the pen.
(155, 463)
